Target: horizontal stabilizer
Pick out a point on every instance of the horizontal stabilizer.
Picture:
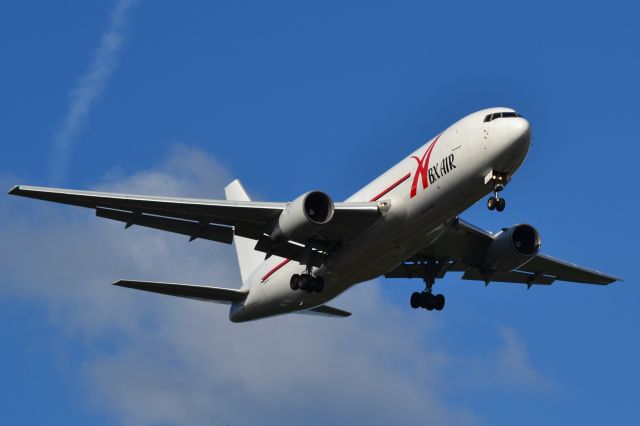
(326, 311)
(198, 292)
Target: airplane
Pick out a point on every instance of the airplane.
(295, 257)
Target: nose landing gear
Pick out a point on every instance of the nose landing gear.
(495, 202)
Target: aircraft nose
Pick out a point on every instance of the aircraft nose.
(519, 131)
(512, 142)
(517, 139)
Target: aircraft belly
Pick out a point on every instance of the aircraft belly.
(411, 224)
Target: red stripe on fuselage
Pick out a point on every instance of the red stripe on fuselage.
(398, 182)
(275, 268)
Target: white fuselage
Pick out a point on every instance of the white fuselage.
(423, 193)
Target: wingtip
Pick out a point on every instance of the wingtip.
(612, 279)
(15, 190)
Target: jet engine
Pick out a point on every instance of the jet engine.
(303, 217)
(512, 248)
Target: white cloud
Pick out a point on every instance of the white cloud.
(515, 366)
(89, 88)
(176, 361)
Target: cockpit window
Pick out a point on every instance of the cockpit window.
(505, 114)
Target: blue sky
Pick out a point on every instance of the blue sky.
(180, 98)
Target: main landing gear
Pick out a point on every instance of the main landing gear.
(427, 300)
(495, 202)
(307, 282)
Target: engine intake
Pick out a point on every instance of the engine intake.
(512, 248)
(303, 217)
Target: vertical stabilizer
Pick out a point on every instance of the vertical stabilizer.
(248, 258)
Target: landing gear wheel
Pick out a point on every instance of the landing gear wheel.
(492, 203)
(438, 301)
(294, 283)
(495, 202)
(426, 301)
(415, 300)
(304, 282)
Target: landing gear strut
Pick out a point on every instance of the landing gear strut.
(495, 202)
(427, 300)
(306, 282)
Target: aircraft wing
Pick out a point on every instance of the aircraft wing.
(461, 249)
(216, 220)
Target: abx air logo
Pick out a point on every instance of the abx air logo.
(430, 174)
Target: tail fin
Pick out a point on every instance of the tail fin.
(248, 258)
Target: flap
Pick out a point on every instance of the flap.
(509, 277)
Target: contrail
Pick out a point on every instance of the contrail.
(88, 89)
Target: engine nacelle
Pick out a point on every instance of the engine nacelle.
(303, 217)
(512, 248)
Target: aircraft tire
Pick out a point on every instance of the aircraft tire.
(438, 300)
(426, 301)
(415, 300)
(294, 283)
(500, 204)
(423, 300)
(491, 203)
(304, 282)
